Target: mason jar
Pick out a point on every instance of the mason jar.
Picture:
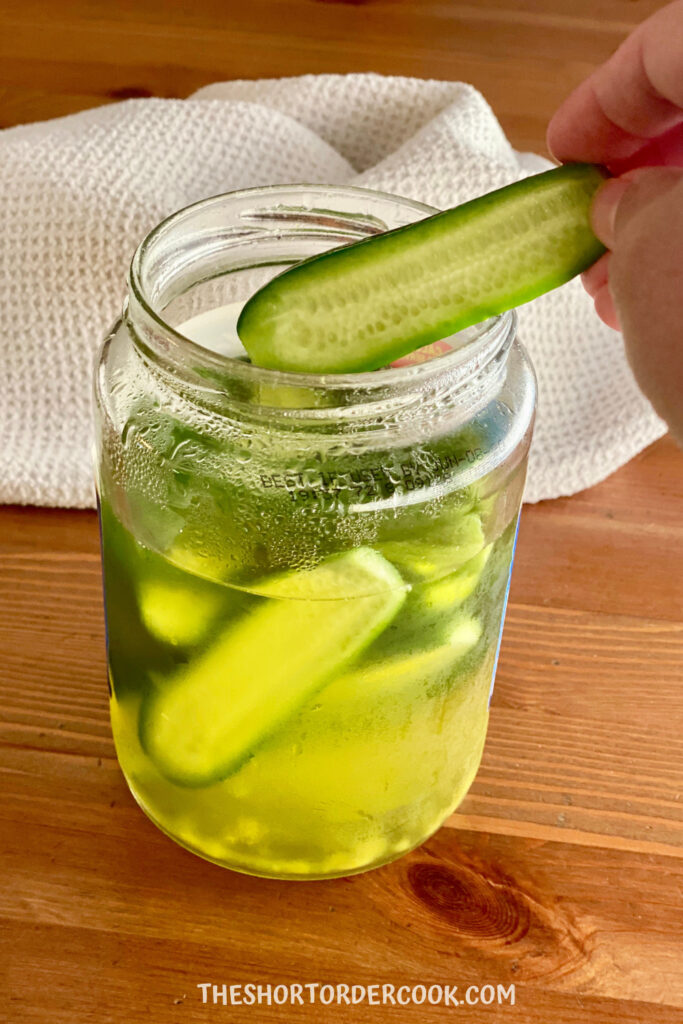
(305, 576)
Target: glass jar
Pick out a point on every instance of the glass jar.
(305, 576)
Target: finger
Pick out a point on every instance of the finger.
(596, 276)
(665, 150)
(633, 190)
(604, 208)
(605, 308)
(646, 282)
(636, 95)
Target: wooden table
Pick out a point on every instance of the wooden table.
(562, 872)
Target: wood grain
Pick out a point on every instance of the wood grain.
(562, 871)
(525, 55)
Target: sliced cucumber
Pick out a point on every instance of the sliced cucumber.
(177, 614)
(206, 566)
(212, 716)
(439, 550)
(282, 396)
(365, 305)
(389, 676)
(452, 590)
(385, 742)
(351, 574)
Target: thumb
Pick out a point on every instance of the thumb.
(639, 216)
(628, 195)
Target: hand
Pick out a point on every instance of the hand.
(626, 115)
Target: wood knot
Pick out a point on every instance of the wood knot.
(472, 904)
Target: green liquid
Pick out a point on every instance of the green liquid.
(376, 743)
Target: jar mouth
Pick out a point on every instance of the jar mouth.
(202, 241)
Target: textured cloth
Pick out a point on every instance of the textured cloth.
(77, 194)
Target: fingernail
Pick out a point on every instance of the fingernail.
(604, 208)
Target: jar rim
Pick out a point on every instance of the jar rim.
(167, 345)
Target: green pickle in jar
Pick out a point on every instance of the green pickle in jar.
(305, 578)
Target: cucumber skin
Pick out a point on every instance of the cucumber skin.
(274, 347)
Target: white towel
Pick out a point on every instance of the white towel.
(77, 194)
